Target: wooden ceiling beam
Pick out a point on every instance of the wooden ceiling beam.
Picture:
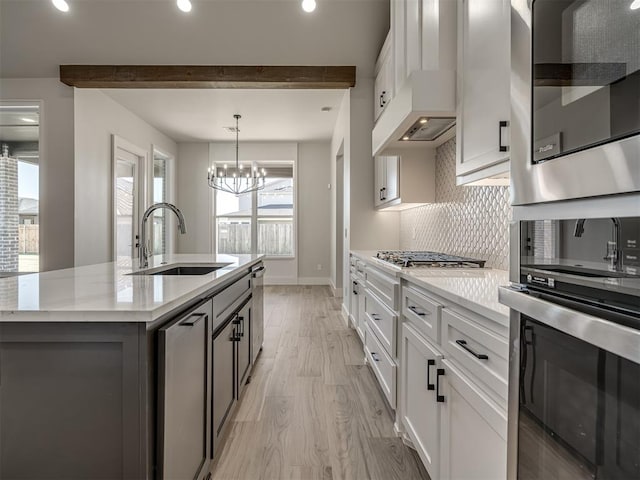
(208, 76)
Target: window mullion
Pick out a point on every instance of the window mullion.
(254, 222)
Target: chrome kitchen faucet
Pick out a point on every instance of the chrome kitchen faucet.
(143, 250)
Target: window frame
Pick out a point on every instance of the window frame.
(266, 164)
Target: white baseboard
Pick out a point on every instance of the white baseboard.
(336, 292)
(313, 281)
(345, 315)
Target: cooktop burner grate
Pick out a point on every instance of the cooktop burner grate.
(428, 259)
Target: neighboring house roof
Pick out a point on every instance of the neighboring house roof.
(28, 206)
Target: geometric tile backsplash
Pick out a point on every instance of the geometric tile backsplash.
(468, 221)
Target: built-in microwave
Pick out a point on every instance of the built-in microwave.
(575, 99)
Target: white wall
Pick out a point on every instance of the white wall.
(56, 164)
(314, 213)
(367, 228)
(97, 118)
(194, 197)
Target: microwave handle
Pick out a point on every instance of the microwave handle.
(502, 124)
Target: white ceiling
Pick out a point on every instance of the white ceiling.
(267, 115)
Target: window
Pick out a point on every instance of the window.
(19, 187)
(160, 192)
(260, 222)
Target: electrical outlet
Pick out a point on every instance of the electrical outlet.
(319, 266)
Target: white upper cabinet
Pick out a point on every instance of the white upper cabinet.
(483, 96)
(404, 181)
(383, 89)
(386, 179)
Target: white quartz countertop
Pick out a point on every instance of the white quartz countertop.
(106, 293)
(472, 288)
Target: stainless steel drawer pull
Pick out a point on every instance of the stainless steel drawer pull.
(418, 311)
(374, 355)
(192, 319)
(479, 356)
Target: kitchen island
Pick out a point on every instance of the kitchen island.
(109, 373)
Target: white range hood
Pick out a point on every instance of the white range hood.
(423, 109)
(426, 95)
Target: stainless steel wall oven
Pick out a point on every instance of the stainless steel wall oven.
(574, 381)
(575, 84)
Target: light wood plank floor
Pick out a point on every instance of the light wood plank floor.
(313, 409)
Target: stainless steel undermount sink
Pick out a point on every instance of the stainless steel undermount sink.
(182, 269)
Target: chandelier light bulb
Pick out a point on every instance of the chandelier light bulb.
(61, 5)
(308, 5)
(184, 5)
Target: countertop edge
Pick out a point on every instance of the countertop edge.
(120, 315)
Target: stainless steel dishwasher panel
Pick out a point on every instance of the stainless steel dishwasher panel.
(184, 395)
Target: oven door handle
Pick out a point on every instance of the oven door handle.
(613, 337)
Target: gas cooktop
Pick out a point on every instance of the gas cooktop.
(427, 259)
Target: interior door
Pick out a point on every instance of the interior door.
(129, 196)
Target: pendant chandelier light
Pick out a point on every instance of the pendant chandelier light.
(236, 180)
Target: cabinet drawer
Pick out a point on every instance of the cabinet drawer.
(382, 365)
(384, 286)
(382, 322)
(480, 351)
(423, 312)
(227, 297)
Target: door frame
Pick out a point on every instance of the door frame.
(139, 206)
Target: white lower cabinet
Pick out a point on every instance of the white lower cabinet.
(473, 431)
(382, 365)
(420, 409)
(449, 401)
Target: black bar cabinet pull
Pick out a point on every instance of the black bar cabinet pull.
(384, 194)
(439, 373)
(355, 288)
(374, 355)
(502, 124)
(479, 356)
(241, 322)
(192, 319)
(430, 363)
(417, 311)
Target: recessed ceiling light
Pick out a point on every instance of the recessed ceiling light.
(308, 5)
(635, 5)
(423, 121)
(184, 5)
(61, 5)
(325, 109)
(28, 120)
(405, 138)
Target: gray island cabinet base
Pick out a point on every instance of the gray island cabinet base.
(95, 400)
(71, 401)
